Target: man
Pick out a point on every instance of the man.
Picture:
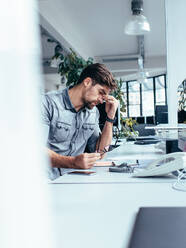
(71, 120)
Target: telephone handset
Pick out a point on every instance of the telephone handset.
(166, 164)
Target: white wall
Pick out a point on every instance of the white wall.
(176, 52)
(52, 82)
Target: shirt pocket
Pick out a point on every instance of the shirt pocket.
(62, 131)
(88, 129)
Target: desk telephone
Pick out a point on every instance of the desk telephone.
(166, 164)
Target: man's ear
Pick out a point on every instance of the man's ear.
(87, 81)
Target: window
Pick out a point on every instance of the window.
(134, 98)
(148, 98)
(141, 99)
(160, 90)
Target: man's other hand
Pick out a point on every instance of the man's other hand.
(85, 160)
(111, 106)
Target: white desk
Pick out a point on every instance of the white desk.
(103, 176)
(124, 153)
(102, 215)
(168, 127)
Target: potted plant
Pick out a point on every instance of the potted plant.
(71, 66)
(127, 128)
(127, 124)
(119, 95)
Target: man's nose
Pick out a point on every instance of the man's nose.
(100, 99)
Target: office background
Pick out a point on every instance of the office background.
(22, 221)
(89, 29)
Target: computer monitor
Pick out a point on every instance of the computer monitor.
(161, 114)
(140, 119)
(181, 116)
(150, 120)
(103, 116)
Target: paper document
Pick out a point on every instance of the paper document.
(103, 163)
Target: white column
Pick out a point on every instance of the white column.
(176, 52)
(24, 204)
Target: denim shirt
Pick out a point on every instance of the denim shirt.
(67, 131)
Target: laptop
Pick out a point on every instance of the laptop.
(159, 227)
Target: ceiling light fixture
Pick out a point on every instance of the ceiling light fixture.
(138, 25)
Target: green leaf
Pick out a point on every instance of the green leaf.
(62, 57)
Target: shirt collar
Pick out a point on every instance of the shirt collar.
(68, 103)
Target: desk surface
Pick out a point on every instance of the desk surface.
(127, 152)
(103, 176)
(167, 127)
(102, 215)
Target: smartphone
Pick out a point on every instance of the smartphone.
(82, 172)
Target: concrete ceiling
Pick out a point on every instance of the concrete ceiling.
(96, 29)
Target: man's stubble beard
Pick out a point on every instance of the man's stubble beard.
(89, 105)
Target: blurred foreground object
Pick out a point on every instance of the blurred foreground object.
(24, 204)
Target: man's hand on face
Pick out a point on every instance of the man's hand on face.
(85, 160)
(111, 106)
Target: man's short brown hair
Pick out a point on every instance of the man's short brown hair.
(99, 74)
